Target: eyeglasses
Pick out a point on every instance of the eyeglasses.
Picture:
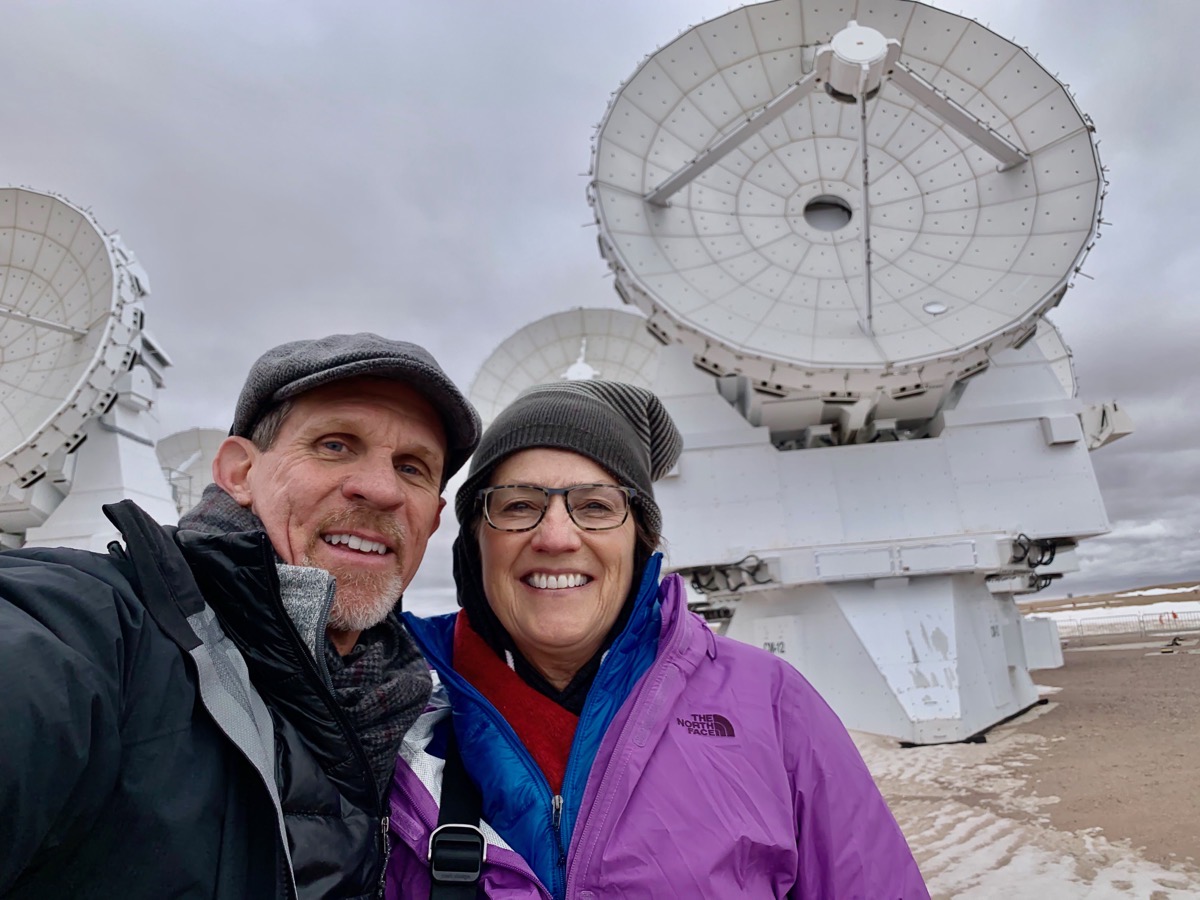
(521, 507)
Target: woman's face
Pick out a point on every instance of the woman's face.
(557, 629)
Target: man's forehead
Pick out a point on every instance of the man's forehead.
(353, 400)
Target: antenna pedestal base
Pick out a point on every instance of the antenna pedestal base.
(927, 661)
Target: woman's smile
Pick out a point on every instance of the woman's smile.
(556, 581)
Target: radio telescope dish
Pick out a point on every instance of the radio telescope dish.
(1050, 341)
(575, 345)
(844, 199)
(187, 458)
(69, 323)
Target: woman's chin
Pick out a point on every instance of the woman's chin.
(560, 644)
(558, 640)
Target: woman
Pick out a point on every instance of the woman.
(621, 749)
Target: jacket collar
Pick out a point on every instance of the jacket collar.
(237, 576)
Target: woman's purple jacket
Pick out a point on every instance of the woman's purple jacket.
(723, 774)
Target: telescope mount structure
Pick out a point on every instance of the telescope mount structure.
(79, 377)
(844, 224)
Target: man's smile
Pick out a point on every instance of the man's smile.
(354, 542)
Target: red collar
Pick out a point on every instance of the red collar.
(544, 727)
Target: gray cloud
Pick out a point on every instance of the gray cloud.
(290, 168)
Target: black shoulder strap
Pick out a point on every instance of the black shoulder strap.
(166, 585)
(457, 848)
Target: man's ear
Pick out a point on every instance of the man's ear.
(437, 517)
(231, 468)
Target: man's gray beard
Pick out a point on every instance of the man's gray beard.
(362, 600)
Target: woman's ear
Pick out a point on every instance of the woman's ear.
(231, 468)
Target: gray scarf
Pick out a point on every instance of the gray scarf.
(382, 684)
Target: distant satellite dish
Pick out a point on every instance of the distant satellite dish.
(186, 458)
(580, 344)
(69, 327)
(1050, 341)
(844, 200)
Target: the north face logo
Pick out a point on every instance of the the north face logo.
(708, 724)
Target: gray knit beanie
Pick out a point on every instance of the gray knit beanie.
(624, 428)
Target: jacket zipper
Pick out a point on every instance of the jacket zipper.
(570, 778)
(560, 871)
(308, 660)
(667, 649)
(384, 824)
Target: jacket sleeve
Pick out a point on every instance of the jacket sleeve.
(849, 843)
(63, 638)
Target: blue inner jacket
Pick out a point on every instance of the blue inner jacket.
(517, 800)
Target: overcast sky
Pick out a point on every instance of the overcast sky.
(291, 168)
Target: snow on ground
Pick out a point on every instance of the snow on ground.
(978, 827)
(1154, 592)
(1104, 612)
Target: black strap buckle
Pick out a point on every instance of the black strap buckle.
(457, 854)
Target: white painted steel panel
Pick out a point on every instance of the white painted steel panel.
(954, 556)
(989, 472)
(1043, 647)
(1061, 429)
(855, 564)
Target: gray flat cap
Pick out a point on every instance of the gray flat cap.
(291, 369)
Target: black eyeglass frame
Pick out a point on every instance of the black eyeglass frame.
(482, 495)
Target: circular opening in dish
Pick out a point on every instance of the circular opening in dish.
(827, 213)
(935, 307)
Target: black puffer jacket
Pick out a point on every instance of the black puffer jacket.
(163, 727)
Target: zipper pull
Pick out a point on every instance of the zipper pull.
(556, 806)
(387, 852)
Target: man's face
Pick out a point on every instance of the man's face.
(352, 485)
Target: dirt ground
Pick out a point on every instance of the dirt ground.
(1090, 796)
(1123, 747)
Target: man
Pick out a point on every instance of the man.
(214, 711)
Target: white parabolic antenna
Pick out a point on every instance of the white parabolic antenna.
(187, 459)
(844, 199)
(579, 344)
(68, 327)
